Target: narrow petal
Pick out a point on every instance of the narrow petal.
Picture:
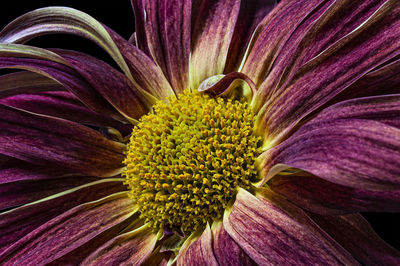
(226, 250)
(316, 33)
(354, 143)
(110, 83)
(327, 74)
(354, 233)
(140, 19)
(198, 250)
(213, 23)
(19, 193)
(69, 230)
(251, 13)
(273, 231)
(320, 196)
(45, 140)
(130, 248)
(18, 222)
(167, 29)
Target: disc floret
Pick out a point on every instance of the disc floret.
(186, 160)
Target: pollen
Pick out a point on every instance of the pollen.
(187, 159)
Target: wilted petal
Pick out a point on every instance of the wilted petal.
(213, 23)
(327, 24)
(197, 250)
(251, 13)
(167, 29)
(131, 248)
(69, 230)
(110, 83)
(273, 231)
(320, 196)
(22, 192)
(354, 143)
(226, 250)
(327, 74)
(355, 234)
(46, 140)
(19, 222)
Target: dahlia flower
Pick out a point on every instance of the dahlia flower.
(230, 132)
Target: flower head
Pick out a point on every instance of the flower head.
(233, 133)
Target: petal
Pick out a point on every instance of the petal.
(197, 250)
(226, 250)
(213, 23)
(316, 33)
(320, 196)
(167, 29)
(273, 231)
(69, 230)
(18, 222)
(327, 74)
(133, 248)
(354, 233)
(251, 13)
(140, 19)
(110, 83)
(19, 193)
(354, 143)
(52, 141)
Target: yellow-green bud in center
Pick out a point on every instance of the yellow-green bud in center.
(186, 160)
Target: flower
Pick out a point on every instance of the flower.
(234, 132)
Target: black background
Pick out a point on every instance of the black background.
(118, 15)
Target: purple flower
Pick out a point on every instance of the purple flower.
(232, 133)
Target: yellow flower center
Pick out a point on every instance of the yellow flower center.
(186, 160)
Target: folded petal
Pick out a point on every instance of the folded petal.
(111, 84)
(198, 250)
(320, 196)
(22, 192)
(213, 23)
(131, 248)
(327, 74)
(46, 140)
(273, 231)
(329, 23)
(226, 250)
(167, 29)
(18, 222)
(355, 234)
(251, 13)
(354, 143)
(69, 230)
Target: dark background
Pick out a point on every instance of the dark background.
(118, 15)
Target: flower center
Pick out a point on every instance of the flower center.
(186, 160)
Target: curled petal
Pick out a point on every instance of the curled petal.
(273, 231)
(69, 230)
(46, 140)
(133, 248)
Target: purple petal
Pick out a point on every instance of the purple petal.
(354, 143)
(167, 29)
(213, 23)
(198, 250)
(320, 196)
(19, 193)
(69, 230)
(327, 74)
(18, 222)
(355, 234)
(274, 232)
(110, 83)
(140, 20)
(131, 248)
(51, 141)
(328, 24)
(226, 251)
(251, 13)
